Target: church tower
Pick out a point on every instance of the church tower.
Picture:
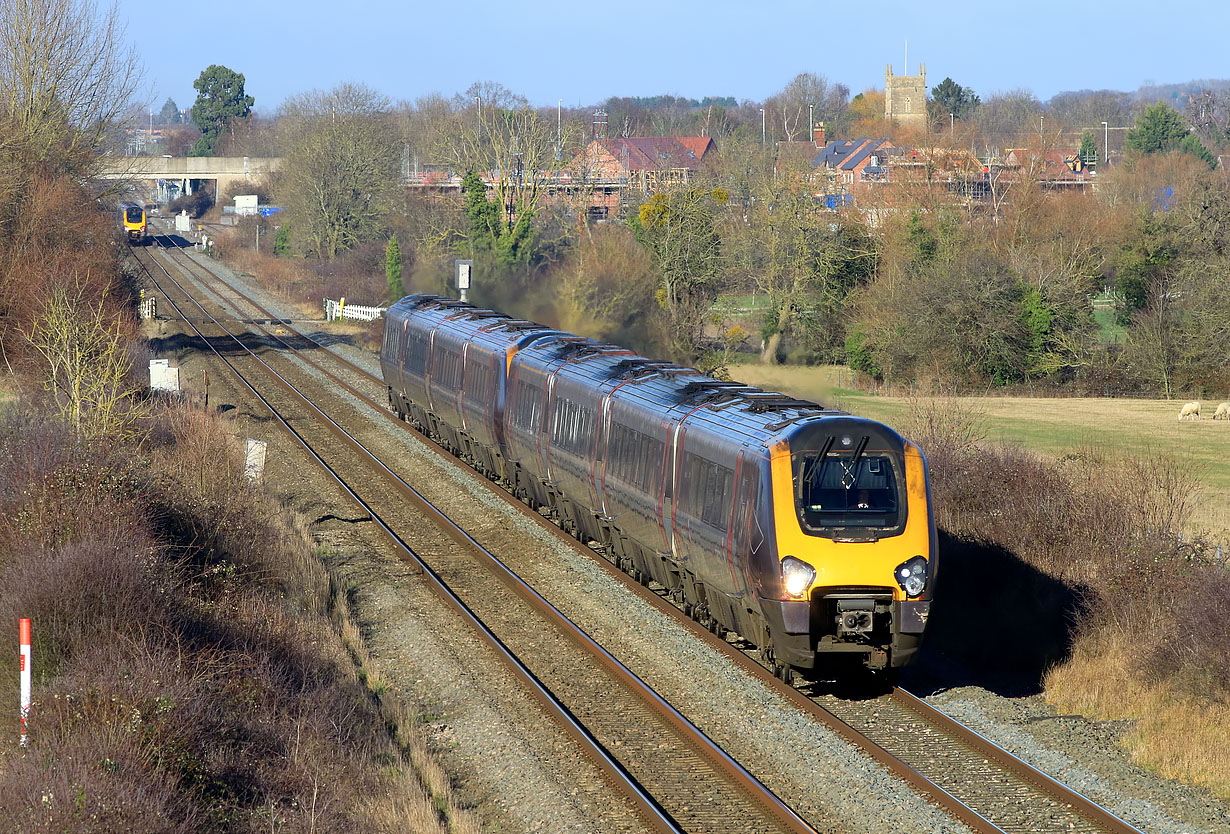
(905, 98)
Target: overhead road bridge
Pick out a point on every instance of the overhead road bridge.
(176, 175)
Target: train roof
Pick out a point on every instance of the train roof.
(681, 390)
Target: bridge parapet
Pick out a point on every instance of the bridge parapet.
(189, 167)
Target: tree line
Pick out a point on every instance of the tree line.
(1112, 290)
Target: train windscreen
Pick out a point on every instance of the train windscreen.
(837, 491)
(134, 214)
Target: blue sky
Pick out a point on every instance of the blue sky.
(584, 52)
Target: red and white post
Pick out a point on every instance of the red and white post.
(23, 630)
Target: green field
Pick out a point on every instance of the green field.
(1050, 426)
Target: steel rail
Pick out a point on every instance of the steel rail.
(746, 781)
(1026, 772)
(1045, 784)
(656, 816)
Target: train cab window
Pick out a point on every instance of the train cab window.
(134, 214)
(839, 491)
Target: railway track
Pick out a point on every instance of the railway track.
(676, 778)
(978, 783)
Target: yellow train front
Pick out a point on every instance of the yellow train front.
(853, 542)
(133, 221)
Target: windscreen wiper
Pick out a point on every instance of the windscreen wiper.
(850, 470)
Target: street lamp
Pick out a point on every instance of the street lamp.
(952, 123)
(1106, 143)
(762, 125)
(811, 122)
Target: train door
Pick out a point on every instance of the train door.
(743, 521)
(429, 367)
(671, 489)
(461, 387)
(602, 431)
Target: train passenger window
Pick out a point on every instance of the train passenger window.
(446, 368)
(840, 491)
(478, 382)
(705, 490)
(528, 410)
(635, 458)
(416, 354)
(572, 426)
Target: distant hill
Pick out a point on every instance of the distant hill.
(1178, 93)
(1175, 94)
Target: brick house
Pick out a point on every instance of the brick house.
(642, 164)
(647, 163)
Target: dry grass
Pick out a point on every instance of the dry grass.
(192, 672)
(1180, 736)
(303, 285)
(421, 792)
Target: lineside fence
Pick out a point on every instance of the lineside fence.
(339, 309)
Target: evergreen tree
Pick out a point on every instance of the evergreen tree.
(1191, 144)
(1089, 149)
(281, 241)
(220, 100)
(169, 114)
(1158, 129)
(509, 241)
(950, 97)
(392, 269)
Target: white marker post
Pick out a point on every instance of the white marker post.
(23, 630)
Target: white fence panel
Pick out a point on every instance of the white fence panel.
(335, 310)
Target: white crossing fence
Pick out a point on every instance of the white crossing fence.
(335, 310)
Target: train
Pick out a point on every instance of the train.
(806, 530)
(133, 222)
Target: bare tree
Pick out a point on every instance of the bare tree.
(514, 149)
(342, 160)
(808, 95)
(1005, 118)
(67, 78)
(87, 367)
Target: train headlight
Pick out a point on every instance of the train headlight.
(797, 576)
(912, 575)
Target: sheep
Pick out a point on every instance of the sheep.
(1222, 412)
(1191, 411)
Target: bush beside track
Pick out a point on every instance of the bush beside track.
(195, 667)
(1066, 575)
(190, 667)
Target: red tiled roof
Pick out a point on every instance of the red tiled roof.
(639, 153)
